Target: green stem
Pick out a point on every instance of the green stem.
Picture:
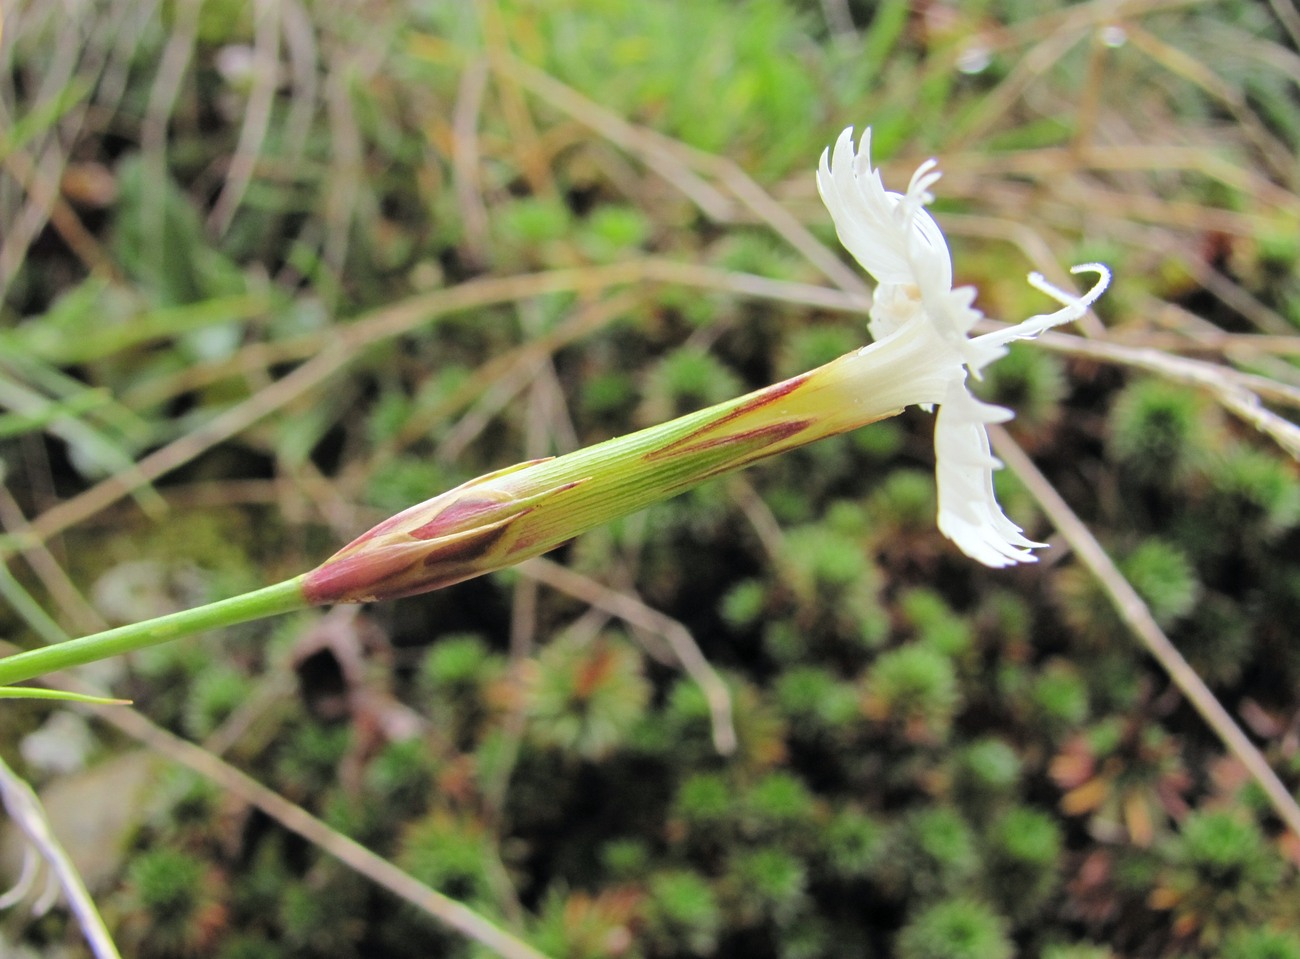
(271, 601)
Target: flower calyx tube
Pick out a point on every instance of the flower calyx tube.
(514, 514)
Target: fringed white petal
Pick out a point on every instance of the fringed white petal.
(901, 245)
(884, 231)
(952, 313)
(969, 513)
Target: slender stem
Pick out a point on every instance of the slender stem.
(271, 601)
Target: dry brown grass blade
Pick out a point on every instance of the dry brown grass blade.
(25, 810)
(1135, 613)
(465, 159)
(297, 820)
(496, 380)
(294, 818)
(265, 71)
(1049, 163)
(39, 168)
(50, 206)
(1185, 65)
(679, 165)
(1236, 391)
(1288, 16)
(173, 66)
(69, 602)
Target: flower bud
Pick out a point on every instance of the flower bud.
(462, 533)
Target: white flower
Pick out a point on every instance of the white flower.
(901, 246)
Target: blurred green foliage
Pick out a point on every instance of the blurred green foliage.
(934, 760)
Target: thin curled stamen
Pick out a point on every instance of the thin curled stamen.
(1065, 298)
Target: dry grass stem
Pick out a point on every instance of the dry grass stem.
(1236, 391)
(1137, 615)
(265, 73)
(26, 812)
(297, 820)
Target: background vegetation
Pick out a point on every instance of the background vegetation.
(273, 270)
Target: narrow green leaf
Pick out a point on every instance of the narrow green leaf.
(61, 695)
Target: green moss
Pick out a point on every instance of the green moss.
(626, 858)
(450, 854)
(682, 911)
(1222, 848)
(168, 884)
(928, 854)
(250, 945)
(879, 441)
(1023, 861)
(904, 503)
(1255, 491)
(1217, 639)
(955, 929)
(613, 231)
(914, 685)
(1162, 433)
(404, 481)
(901, 713)
(743, 603)
(1163, 575)
(778, 804)
(705, 800)
(214, 695)
(1262, 944)
(1060, 694)
(1076, 950)
(402, 774)
(815, 701)
(851, 844)
(1220, 874)
(786, 642)
(814, 346)
(1029, 381)
(1006, 616)
(587, 697)
(532, 231)
(687, 380)
(579, 925)
(808, 937)
(760, 253)
(309, 759)
(609, 396)
(456, 662)
(935, 623)
(768, 884)
(171, 896)
(987, 768)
